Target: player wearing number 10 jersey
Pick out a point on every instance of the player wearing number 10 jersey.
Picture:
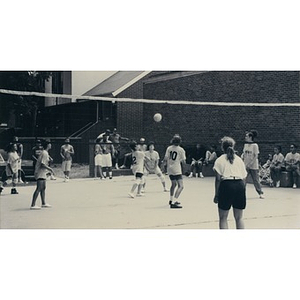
(174, 158)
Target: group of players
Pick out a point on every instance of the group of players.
(42, 170)
(230, 169)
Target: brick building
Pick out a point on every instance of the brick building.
(207, 124)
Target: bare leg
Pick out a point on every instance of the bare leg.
(36, 192)
(179, 189)
(223, 215)
(43, 191)
(238, 216)
(172, 189)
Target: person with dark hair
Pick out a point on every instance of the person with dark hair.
(138, 158)
(107, 153)
(66, 153)
(20, 153)
(292, 164)
(98, 159)
(12, 165)
(174, 158)
(36, 151)
(230, 184)
(152, 165)
(250, 158)
(115, 137)
(276, 166)
(198, 157)
(40, 174)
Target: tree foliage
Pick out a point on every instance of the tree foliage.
(24, 108)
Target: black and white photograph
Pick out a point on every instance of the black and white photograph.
(133, 133)
(133, 146)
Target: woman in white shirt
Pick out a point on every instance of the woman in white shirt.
(250, 158)
(230, 184)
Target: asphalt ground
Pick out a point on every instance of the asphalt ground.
(104, 204)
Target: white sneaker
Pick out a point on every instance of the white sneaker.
(20, 181)
(201, 175)
(140, 195)
(143, 191)
(52, 177)
(46, 205)
(261, 196)
(166, 190)
(294, 186)
(131, 195)
(35, 207)
(191, 175)
(278, 184)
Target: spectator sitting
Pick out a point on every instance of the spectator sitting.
(292, 161)
(211, 155)
(276, 166)
(198, 156)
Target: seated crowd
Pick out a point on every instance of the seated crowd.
(271, 172)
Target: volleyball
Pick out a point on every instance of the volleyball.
(157, 117)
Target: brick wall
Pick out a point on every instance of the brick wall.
(207, 124)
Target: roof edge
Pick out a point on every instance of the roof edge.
(130, 83)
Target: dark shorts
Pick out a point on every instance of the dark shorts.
(232, 193)
(139, 175)
(175, 177)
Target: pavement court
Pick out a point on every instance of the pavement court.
(104, 204)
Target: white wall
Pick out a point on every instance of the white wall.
(83, 81)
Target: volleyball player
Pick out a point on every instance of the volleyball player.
(151, 165)
(98, 159)
(250, 158)
(138, 158)
(40, 174)
(230, 184)
(12, 166)
(66, 152)
(174, 158)
(107, 152)
(20, 153)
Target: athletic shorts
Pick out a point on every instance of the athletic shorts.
(175, 177)
(139, 175)
(66, 165)
(98, 160)
(156, 171)
(232, 193)
(106, 160)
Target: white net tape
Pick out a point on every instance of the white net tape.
(151, 101)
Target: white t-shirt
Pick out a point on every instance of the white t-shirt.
(174, 156)
(152, 163)
(226, 169)
(12, 160)
(250, 156)
(41, 172)
(138, 162)
(277, 159)
(292, 158)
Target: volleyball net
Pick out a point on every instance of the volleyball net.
(149, 101)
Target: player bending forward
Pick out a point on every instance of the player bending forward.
(151, 165)
(174, 157)
(138, 158)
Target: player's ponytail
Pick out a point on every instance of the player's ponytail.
(230, 154)
(228, 144)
